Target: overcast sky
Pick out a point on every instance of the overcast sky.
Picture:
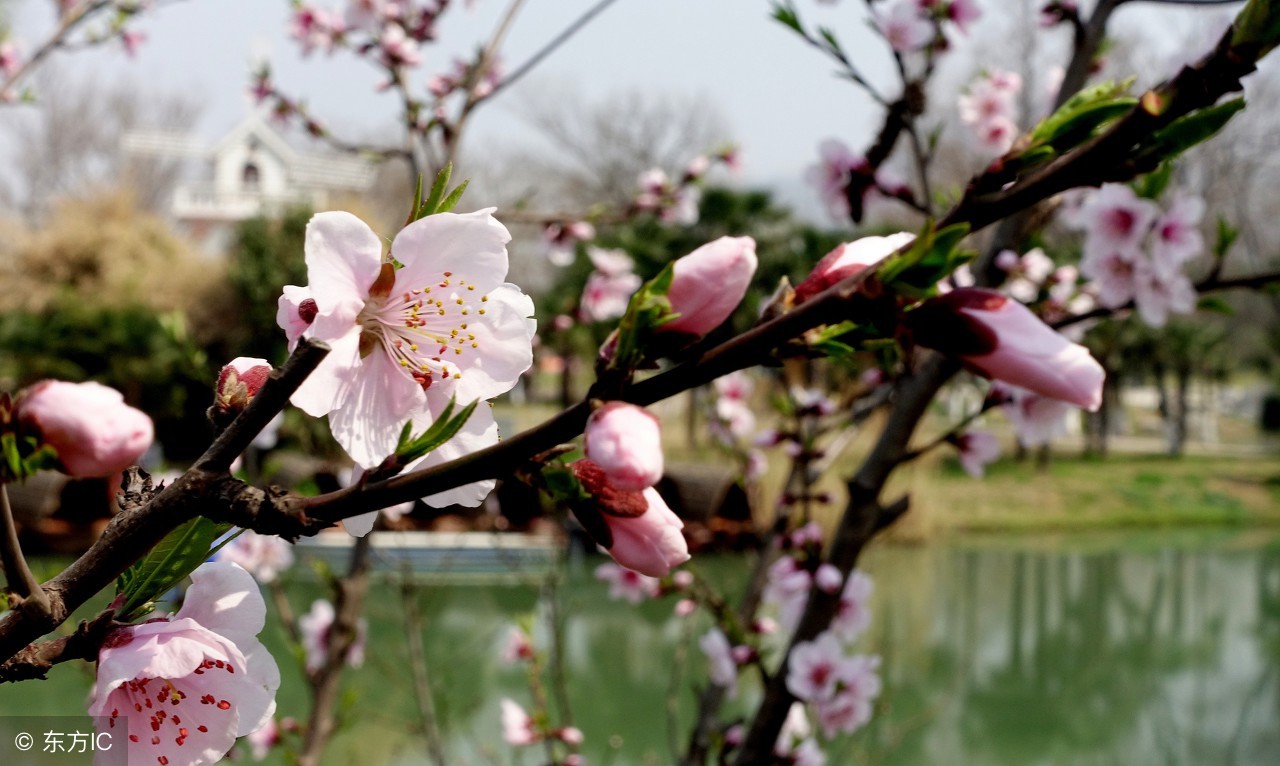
(778, 96)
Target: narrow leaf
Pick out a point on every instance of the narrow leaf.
(454, 197)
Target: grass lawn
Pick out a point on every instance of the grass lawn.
(1124, 490)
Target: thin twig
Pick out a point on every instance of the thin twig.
(550, 47)
(17, 574)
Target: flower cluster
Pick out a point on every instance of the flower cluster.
(561, 239)
(799, 569)
(847, 183)
(609, 287)
(1135, 251)
(912, 25)
(389, 31)
(840, 686)
(316, 627)
(990, 110)
(675, 203)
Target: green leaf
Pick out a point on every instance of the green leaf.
(1215, 304)
(1185, 132)
(649, 308)
(445, 427)
(1152, 185)
(830, 38)
(932, 256)
(786, 14)
(1090, 106)
(454, 197)
(438, 188)
(1258, 24)
(824, 340)
(1227, 235)
(173, 559)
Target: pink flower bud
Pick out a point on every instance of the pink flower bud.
(685, 607)
(625, 441)
(650, 543)
(239, 382)
(848, 259)
(94, 432)
(1001, 339)
(570, 735)
(828, 578)
(709, 284)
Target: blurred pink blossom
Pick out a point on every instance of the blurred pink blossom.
(93, 431)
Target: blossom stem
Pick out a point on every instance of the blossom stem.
(551, 46)
(268, 403)
(16, 572)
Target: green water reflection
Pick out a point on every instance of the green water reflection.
(1071, 652)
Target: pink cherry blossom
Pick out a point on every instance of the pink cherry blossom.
(609, 288)
(263, 556)
(851, 707)
(1114, 273)
(709, 283)
(1159, 293)
(626, 442)
(627, 584)
(1116, 219)
(722, 668)
(816, 667)
(977, 448)
(903, 26)
(989, 97)
(1005, 341)
(405, 341)
(1176, 236)
(853, 616)
(398, 50)
(93, 431)
(827, 578)
(517, 646)
(262, 740)
(1037, 420)
(191, 683)
(836, 167)
(570, 735)
(963, 13)
(518, 728)
(651, 543)
(315, 627)
(10, 59)
(848, 259)
(561, 237)
(787, 590)
(795, 729)
(684, 209)
(996, 135)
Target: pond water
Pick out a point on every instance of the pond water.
(1074, 651)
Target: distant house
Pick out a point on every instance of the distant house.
(251, 171)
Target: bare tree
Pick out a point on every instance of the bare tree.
(593, 151)
(69, 144)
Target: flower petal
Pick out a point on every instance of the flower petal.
(326, 389)
(470, 246)
(504, 346)
(343, 258)
(224, 598)
(377, 401)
